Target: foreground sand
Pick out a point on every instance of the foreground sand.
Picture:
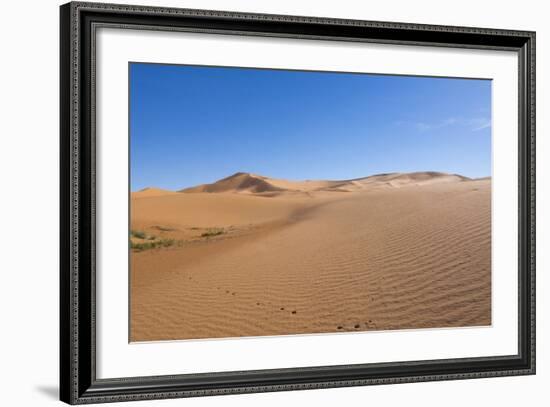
(397, 253)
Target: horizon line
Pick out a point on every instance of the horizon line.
(306, 180)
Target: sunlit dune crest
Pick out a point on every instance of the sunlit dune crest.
(149, 192)
(251, 183)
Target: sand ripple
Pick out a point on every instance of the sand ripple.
(377, 259)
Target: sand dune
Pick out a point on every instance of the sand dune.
(149, 192)
(242, 182)
(396, 251)
(239, 182)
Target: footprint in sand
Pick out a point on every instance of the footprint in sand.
(370, 324)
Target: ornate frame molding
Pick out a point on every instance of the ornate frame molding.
(77, 246)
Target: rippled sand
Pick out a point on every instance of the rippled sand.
(371, 256)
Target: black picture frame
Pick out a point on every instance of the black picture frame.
(78, 382)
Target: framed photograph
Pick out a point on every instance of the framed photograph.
(255, 203)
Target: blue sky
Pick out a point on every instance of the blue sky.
(191, 125)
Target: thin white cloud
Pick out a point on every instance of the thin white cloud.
(473, 124)
(480, 124)
(423, 126)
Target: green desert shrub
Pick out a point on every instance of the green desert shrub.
(164, 228)
(152, 244)
(138, 234)
(213, 232)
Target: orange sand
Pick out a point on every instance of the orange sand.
(258, 256)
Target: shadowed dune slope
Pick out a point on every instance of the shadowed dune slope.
(239, 182)
(252, 183)
(412, 254)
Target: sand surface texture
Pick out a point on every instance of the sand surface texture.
(253, 256)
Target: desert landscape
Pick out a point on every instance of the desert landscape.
(250, 255)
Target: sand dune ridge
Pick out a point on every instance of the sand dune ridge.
(242, 182)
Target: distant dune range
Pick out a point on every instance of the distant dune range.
(251, 183)
(251, 256)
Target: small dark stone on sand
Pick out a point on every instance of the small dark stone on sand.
(357, 326)
(340, 327)
(282, 308)
(294, 312)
